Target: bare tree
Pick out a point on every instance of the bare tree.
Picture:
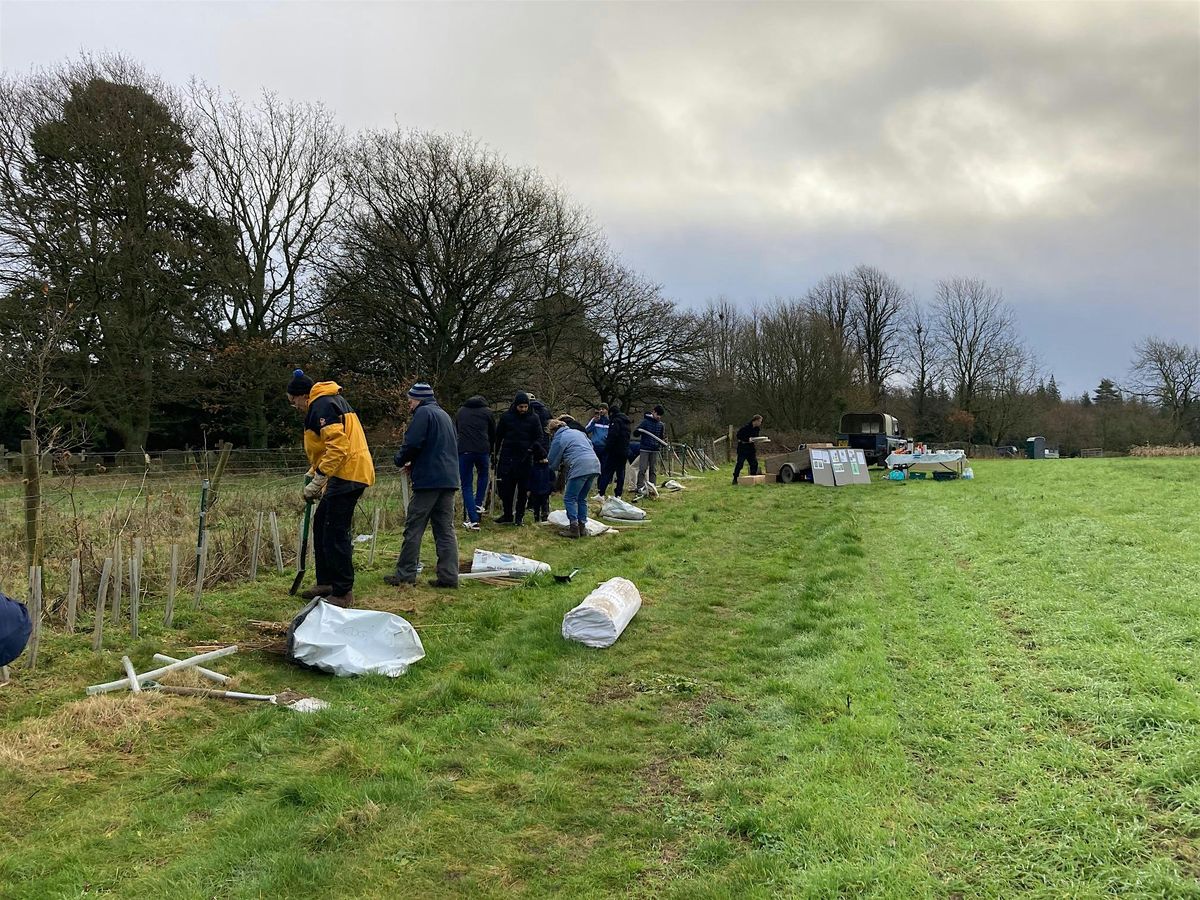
(643, 348)
(925, 364)
(973, 330)
(270, 172)
(1167, 373)
(876, 318)
(438, 264)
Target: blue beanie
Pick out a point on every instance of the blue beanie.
(300, 384)
(421, 391)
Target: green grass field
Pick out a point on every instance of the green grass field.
(981, 688)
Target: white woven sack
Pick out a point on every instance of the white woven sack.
(490, 561)
(616, 508)
(559, 517)
(602, 616)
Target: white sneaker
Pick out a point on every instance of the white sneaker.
(471, 526)
(481, 509)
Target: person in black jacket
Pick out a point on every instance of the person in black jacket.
(520, 441)
(616, 451)
(539, 409)
(476, 435)
(746, 451)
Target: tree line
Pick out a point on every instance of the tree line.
(168, 255)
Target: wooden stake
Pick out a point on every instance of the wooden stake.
(200, 573)
(101, 597)
(73, 591)
(254, 547)
(118, 574)
(35, 613)
(276, 541)
(135, 587)
(374, 536)
(133, 678)
(171, 585)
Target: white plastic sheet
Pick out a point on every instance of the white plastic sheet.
(354, 641)
(672, 485)
(559, 517)
(489, 561)
(616, 508)
(599, 620)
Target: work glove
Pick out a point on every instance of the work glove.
(312, 490)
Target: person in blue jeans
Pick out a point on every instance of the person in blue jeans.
(476, 433)
(574, 449)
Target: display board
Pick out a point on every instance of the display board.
(838, 466)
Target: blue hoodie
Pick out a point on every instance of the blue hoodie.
(653, 426)
(573, 448)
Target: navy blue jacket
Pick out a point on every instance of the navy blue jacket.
(617, 445)
(15, 628)
(431, 447)
(541, 480)
(654, 427)
(476, 427)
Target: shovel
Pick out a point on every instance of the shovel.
(299, 579)
(289, 699)
(563, 579)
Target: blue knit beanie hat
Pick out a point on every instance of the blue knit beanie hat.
(300, 384)
(421, 391)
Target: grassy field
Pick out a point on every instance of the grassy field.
(973, 689)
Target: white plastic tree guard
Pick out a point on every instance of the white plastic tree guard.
(599, 620)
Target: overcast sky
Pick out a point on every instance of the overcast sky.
(747, 150)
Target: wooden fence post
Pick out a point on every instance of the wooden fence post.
(171, 585)
(73, 590)
(35, 613)
(275, 540)
(118, 574)
(254, 544)
(374, 536)
(101, 598)
(135, 587)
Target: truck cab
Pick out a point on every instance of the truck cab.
(876, 434)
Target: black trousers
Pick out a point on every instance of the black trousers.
(540, 505)
(332, 546)
(746, 453)
(612, 468)
(514, 488)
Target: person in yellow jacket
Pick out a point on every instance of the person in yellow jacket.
(341, 469)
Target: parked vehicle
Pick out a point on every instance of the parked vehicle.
(876, 434)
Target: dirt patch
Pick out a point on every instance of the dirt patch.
(611, 694)
(660, 781)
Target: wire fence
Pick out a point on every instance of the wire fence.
(93, 509)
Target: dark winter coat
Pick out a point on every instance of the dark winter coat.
(519, 440)
(748, 431)
(541, 411)
(432, 448)
(617, 445)
(476, 427)
(654, 427)
(15, 628)
(541, 480)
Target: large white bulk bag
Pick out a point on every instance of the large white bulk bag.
(489, 561)
(616, 508)
(353, 641)
(559, 517)
(599, 620)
